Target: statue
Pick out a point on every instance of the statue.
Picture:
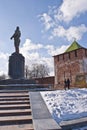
(16, 37)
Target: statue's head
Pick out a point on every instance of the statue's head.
(17, 28)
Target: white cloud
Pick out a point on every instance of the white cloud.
(30, 51)
(70, 9)
(47, 20)
(4, 63)
(70, 33)
(28, 45)
(55, 51)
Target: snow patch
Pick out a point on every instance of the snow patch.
(66, 105)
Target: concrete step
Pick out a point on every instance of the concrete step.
(13, 107)
(15, 111)
(15, 122)
(4, 96)
(13, 102)
(13, 91)
(6, 118)
(74, 124)
(16, 106)
(14, 98)
(17, 127)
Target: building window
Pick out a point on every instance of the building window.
(58, 58)
(85, 52)
(63, 56)
(69, 55)
(75, 53)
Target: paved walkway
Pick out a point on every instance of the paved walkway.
(42, 119)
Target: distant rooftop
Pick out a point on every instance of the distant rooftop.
(74, 46)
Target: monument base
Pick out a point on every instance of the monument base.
(16, 66)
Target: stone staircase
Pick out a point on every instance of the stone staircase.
(15, 110)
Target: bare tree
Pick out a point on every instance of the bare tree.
(37, 71)
(26, 71)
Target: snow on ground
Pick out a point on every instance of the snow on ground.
(66, 105)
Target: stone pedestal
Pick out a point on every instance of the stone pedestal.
(16, 66)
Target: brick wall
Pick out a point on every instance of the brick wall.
(45, 80)
(68, 65)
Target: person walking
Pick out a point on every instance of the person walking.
(65, 84)
(68, 83)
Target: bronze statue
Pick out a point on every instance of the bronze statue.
(16, 37)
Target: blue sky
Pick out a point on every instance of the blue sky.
(47, 27)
